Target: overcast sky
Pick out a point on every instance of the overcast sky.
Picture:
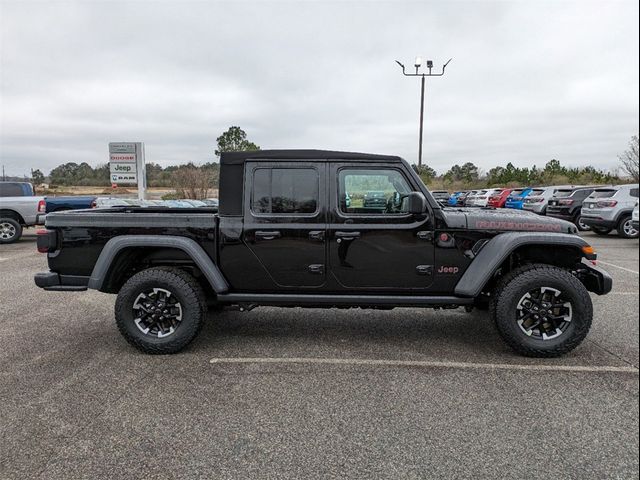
(529, 80)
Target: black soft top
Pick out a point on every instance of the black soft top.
(232, 169)
(235, 158)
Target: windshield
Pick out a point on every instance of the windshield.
(537, 192)
(516, 192)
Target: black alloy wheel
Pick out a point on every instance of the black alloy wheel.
(157, 312)
(544, 313)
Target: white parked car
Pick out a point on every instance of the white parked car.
(481, 197)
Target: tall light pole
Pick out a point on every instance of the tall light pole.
(418, 64)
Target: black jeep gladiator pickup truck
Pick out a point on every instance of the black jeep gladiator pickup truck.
(294, 230)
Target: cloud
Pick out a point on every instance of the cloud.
(528, 82)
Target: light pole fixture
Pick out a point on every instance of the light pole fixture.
(419, 62)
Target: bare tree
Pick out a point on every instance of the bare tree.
(193, 182)
(629, 159)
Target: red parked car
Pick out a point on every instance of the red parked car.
(498, 199)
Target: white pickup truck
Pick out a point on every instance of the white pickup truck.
(19, 208)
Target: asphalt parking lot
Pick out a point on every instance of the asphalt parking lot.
(407, 393)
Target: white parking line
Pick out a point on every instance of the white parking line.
(426, 364)
(618, 266)
(3, 259)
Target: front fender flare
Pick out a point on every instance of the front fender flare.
(114, 246)
(498, 249)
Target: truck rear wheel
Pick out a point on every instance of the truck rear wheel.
(160, 310)
(542, 311)
(10, 230)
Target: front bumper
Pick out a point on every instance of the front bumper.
(595, 279)
(61, 283)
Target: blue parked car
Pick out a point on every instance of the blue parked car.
(453, 199)
(516, 198)
(59, 204)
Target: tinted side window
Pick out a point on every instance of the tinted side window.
(634, 192)
(285, 191)
(371, 191)
(11, 190)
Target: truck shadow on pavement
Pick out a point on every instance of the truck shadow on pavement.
(331, 332)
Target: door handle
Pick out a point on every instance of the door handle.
(263, 235)
(317, 235)
(317, 269)
(347, 236)
(424, 269)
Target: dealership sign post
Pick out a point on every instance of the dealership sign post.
(127, 166)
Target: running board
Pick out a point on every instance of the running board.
(305, 300)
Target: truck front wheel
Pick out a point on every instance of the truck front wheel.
(542, 311)
(160, 310)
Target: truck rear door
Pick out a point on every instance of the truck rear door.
(285, 221)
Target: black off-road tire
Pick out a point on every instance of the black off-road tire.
(603, 232)
(16, 230)
(187, 291)
(517, 283)
(621, 228)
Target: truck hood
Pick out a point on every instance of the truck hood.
(505, 220)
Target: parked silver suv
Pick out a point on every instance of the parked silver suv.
(610, 208)
(538, 200)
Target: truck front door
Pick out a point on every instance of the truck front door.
(374, 243)
(285, 221)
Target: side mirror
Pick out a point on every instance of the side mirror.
(416, 203)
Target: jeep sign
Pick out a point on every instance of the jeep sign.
(127, 166)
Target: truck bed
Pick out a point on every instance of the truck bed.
(82, 234)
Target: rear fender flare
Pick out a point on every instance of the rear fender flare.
(114, 246)
(498, 249)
